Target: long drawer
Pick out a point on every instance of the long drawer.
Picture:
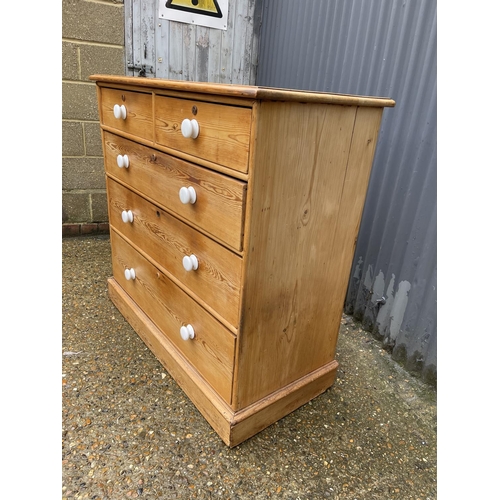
(220, 200)
(217, 277)
(138, 117)
(212, 349)
(223, 131)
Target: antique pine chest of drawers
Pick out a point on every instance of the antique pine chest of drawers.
(233, 213)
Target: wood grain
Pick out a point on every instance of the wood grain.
(356, 181)
(224, 131)
(298, 178)
(219, 207)
(167, 240)
(257, 417)
(247, 91)
(232, 427)
(213, 98)
(212, 407)
(139, 107)
(211, 351)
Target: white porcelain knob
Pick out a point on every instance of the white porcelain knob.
(187, 195)
(130, 274)
(122, 161)
(190, 262)
(190, 128)
(127, 216)
(187, 332)
(120, 111)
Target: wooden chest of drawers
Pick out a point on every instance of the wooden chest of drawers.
(233, 217)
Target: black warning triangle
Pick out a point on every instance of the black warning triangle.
(203, 7)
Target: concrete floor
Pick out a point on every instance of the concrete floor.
(128, 431)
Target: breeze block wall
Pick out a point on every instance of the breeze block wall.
(92, 42)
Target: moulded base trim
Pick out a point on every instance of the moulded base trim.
(232, 427)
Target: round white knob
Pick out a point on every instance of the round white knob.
(127, 216)
(122, 161)
(190, 128)
(130, 274)
(190, 262)
(187, 332)
(120, 111)
(187, 195)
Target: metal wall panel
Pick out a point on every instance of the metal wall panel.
(382, 48)
(179, 51)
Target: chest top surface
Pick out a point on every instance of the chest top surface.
(246, 91)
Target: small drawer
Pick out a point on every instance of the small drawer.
(138, 116)
(213, 274)
(211, 350)
(220, 200)
(223, 131)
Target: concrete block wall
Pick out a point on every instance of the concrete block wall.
(93, 41)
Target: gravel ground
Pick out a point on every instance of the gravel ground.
(128, 431)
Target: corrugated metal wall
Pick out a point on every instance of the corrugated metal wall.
(382, 48)
(179, 51)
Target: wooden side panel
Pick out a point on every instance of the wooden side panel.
(220, 200)
(211, 351)
(363, 147)
(286, 328)
(167, 240)
(224, 133)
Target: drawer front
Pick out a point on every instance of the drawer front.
(220, 200)
(224, 131)
(139, 108)
(211, 351)
(216, 281)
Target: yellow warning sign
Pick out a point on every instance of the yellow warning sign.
(210, 13)
(204, 7)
